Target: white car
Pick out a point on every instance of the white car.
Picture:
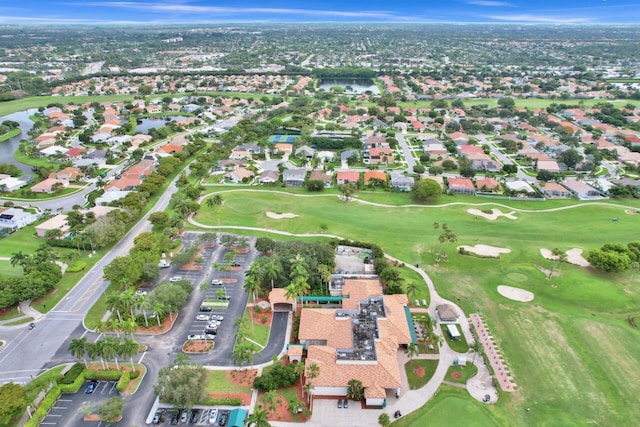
(202, 317)
(194, 337)
(141, 292)
(216, 282)
(175, 279)
(218, 317)
(213, 416)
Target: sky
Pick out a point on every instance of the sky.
(230, 11)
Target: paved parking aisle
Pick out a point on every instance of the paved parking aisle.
(67, 410)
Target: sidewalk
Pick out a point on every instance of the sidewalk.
(27, 311)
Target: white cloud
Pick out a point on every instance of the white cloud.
(540, 19)
(489, 3)
(191, 9)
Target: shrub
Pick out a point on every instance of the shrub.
(46, 404)
(76, 267)
(134, 374)
(278, 377)
(72, 374)
(229, 401)
(123, 382)
(109, 375)
(75, 385)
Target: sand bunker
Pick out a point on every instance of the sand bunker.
(495, 214)
(280, 216)
(574, 256)
(485, 250)
(515, 294)
(632, 211)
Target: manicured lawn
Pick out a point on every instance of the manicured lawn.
(453, 407)
(460, 345)
(419, 372)
(573, 355)
(256, 332)
(6, 269)
(217, 382)
(10, 134)
(466, 372)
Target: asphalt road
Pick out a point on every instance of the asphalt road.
(406, 151)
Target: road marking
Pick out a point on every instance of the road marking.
(142, 357)
(86, 295)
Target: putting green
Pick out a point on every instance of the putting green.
(517, 277)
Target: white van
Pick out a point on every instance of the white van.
(164, 263)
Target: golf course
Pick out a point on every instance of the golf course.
(573, 350)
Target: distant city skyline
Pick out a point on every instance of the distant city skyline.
(217, 11)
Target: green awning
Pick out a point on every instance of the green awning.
(237, 417)
(412, 330)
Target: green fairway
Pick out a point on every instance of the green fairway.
(10, 134)
(573, 355)
(451, 406)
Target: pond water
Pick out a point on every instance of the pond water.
(144, 125)
(8, 147)
(350, 85)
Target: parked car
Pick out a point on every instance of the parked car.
(194, 337)
(174, 418)
(164, 263)
(175, 279)
(156, 419)
(205, 308)
(339, 403)
(217, 317)
(209, 336)
(210, 331)
(216, 282)
(345, 404)
(194, 416)
(225, 297)
(202, 317)
(184, 416)
(91, 387)
(213, 416)
(223, 420)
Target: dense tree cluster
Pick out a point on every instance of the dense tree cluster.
(615, 257)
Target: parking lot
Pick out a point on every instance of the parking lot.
(67, 410)
(198, 416)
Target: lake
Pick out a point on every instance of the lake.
(8, 147)
(350, 86)
(144, 125)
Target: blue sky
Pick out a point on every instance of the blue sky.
(213, 11)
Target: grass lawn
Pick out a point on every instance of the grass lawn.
(460, 345)
(217, 382)
(419, 372)
(572, 352)
(466, 372)
(10, 313)
(13, 132)
(6, 269)
(452, 406)
(256, 332)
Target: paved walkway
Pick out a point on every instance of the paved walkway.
(495, 359)
(27, 311)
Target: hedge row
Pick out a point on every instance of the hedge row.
(46, 404)
(110, 375)
(123, 382)
(76, 267)
(229, 401)
(74, 386)
(72, 374)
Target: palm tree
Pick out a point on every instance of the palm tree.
(127, 301)
(143, 303)
(355, 389)
(312, 372)
(412, 351)
(159, 309)
(436, 226)
(476, 348)
(20, 259)
(259, 418)
(325, 275)
(254, 277)
(114, 325)
(113, 303)
(272, 270)
(93, 351)
(129, 326)
(270, 399)
(129, 348)
(78, 347)
(217, 200)
(109, 347)
(298, 268)
(411, 289)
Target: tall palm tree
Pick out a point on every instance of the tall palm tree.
(298, 268)
(113, 303)
(272, 270)
(127, 301)
(292, 292)
(109, 347)
(93, 352)
(325, 275)
(411, 289)
(254, 277)
(129, 326)
(412, 351)
(114, 325)
(143, 304)
(217, 199)
(159, 309)
(259, 418)
(20, 259)
(476, 348)
(78, 347)
(129, 348)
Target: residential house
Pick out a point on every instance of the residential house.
(49, 185)
(317, 175)
(358, 341)
(140, 170)
(68, 174)
(374, 175)
(129, 183)
(553, 190)
(581, 190)
(520, 186)
(347, 177)
(58, 222)
(239, 174)
(14, 218)
(53, 150)
(401, 182)
(269, 177)
(75, 153)
(326, 156)
(111, 196)
(486, 185)
(294, 177)
(461, 186)
(379, 155)
(10, 183)
(169, 148)
(305, 152)
(548, 165)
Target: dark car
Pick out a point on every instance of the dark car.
(225, 297)
(345, 404)
(223, 420)
(32, 325)
(91, 387)
(194, 416)
(156, 418)
(205, 308)
(339, 403)
(174, 418)
(486, 398)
